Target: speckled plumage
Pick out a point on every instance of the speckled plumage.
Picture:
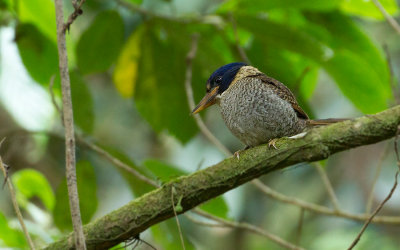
(255, 113)
(255, 107)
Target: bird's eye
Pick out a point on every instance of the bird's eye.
(218, 80)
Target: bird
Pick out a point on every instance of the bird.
(256, 108)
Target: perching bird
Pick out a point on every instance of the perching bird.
(256, 108)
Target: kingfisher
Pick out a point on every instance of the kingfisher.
(256, 108)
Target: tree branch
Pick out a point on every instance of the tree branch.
(154, 207)
(68, 119)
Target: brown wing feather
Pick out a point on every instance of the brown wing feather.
(284, 93)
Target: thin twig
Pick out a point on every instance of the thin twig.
(328, 186)
(177, 220)
(247, 227)
(394, 86)
(239, 48)
(53, 98)
(15, 204)
(77, 12)
(300, 226)
(357, 239)
(322, 209)
(69, 129)
(117, 162)
(396, 150)
(387, 16)
(382, 157)
(189, 93)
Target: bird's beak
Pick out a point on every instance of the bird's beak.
(208, 100)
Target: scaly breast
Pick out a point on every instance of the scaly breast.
(255, 114)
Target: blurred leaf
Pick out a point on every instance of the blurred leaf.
(100, 44)
(83, 103)
(364, 88)
(164, 172)
(357, 65)
(30, 183)
(262, 5)
(368, 9)
(41, 13)
(11, 237)
(138, 187)
(217, 207)
(126, 69)
(38, 53)
(87, 193)
(160, 95)
(166, 234)
(343, 44)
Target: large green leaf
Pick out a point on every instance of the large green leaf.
(11, 237)
(31, 183)
(83, 103)
(357, 66)
(368, 9)
(160, 95)
(99, 45)
(41, 13)
(324, 40)
(38, 53)
(87, 197)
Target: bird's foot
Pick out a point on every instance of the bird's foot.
(236, 154)
(272, 142)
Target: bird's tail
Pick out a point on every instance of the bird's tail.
(322, 122)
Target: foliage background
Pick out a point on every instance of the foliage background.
(127, 61)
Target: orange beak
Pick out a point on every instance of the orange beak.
(207, 101)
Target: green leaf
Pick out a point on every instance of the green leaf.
(30, 183)
(262, 5)
(11, 237)
(126, 69)
(166, 234)
(87, 189)
(363, 88)
(38, 53)
(138, 187)
(83, 103)
(332, 41)
(217, 207)
(162, 171)
(165, 173)
(368, 9)
(99, 45)
(160, 95)
(357, 66)
(41, 13)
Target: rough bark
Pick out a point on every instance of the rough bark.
(153, 207)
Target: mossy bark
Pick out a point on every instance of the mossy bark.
(153, 207)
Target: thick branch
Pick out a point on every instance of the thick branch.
(319, 143)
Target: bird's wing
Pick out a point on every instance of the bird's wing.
(284, 93)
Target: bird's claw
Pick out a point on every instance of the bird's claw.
(236, 154)
(272, 142)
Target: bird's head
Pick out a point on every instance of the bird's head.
(220, 81)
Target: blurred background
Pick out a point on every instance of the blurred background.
(127, 62)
